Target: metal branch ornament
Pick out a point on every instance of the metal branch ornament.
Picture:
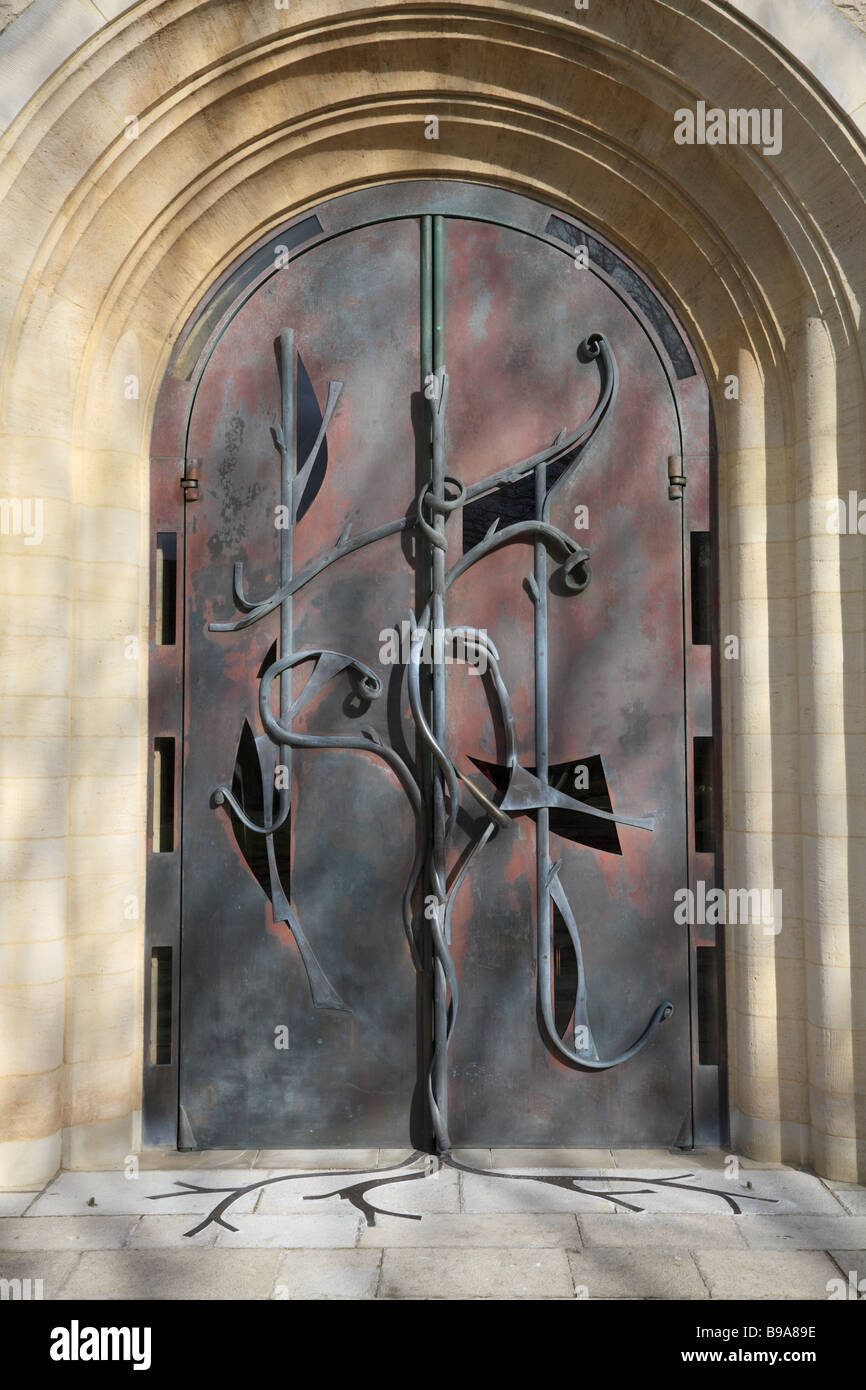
(356, 1190)
(434, 798)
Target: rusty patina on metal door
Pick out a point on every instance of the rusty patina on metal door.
(438, 694)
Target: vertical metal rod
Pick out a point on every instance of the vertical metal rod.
(424, 583)
(426, 298)
(542, 751)
(438, 293)
(440, 989)
(288, 461)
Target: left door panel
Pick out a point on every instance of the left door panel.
(260, 1063)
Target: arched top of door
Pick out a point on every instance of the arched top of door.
(453, 199)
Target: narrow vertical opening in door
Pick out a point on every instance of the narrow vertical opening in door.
(708, 1007)
(165, 589)
(160, 1006)
(702, 589)
(163, 795)
(705, 828)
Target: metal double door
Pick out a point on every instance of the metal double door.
(434, 769)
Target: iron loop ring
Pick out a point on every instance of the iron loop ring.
(577, 572)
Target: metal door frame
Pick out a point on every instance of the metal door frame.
(174, 480)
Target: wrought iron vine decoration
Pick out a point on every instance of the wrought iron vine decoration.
(526, 791)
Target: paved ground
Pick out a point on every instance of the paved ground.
(596, 1224)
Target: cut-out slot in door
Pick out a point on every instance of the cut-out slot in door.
(165, 590)
(702, 589)
(160, 1006)
(163, 795)
(705, 828)
(708, 1007)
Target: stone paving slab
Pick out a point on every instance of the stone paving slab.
(437, 1191)
(606, 1274)
(509, 1194)
(53, 1267)
(164, 1232)
(546, 1159)
(162, 1159)
(769, 1192)
(765, 1192)
(328, 1274)
(165, 1275)
(852, 1268)
(853, 1199)
(647, 1231)
(15, 1203)
(464, 1232)
(803, 1232)
(475, 1274)
(766, 1274)
(474, 1158)
(70, 1194)
(360, 1160)
(290, 1232)
(798, 1191)
(64, 1232)
(390, 1158)
(715, 1160)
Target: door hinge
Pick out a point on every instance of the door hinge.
(189, 481)
(676, 477)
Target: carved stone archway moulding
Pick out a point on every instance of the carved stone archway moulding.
(248, 116)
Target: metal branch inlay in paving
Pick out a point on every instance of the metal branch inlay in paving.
(602, 1186)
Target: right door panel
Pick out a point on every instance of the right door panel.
(516, 311)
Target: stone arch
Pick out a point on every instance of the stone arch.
(248, 116)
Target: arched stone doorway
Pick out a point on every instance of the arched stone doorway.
(247, 117)
(509, 437)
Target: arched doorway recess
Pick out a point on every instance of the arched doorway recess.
(424, 434)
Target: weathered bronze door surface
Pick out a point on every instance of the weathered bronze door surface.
(437, 696)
